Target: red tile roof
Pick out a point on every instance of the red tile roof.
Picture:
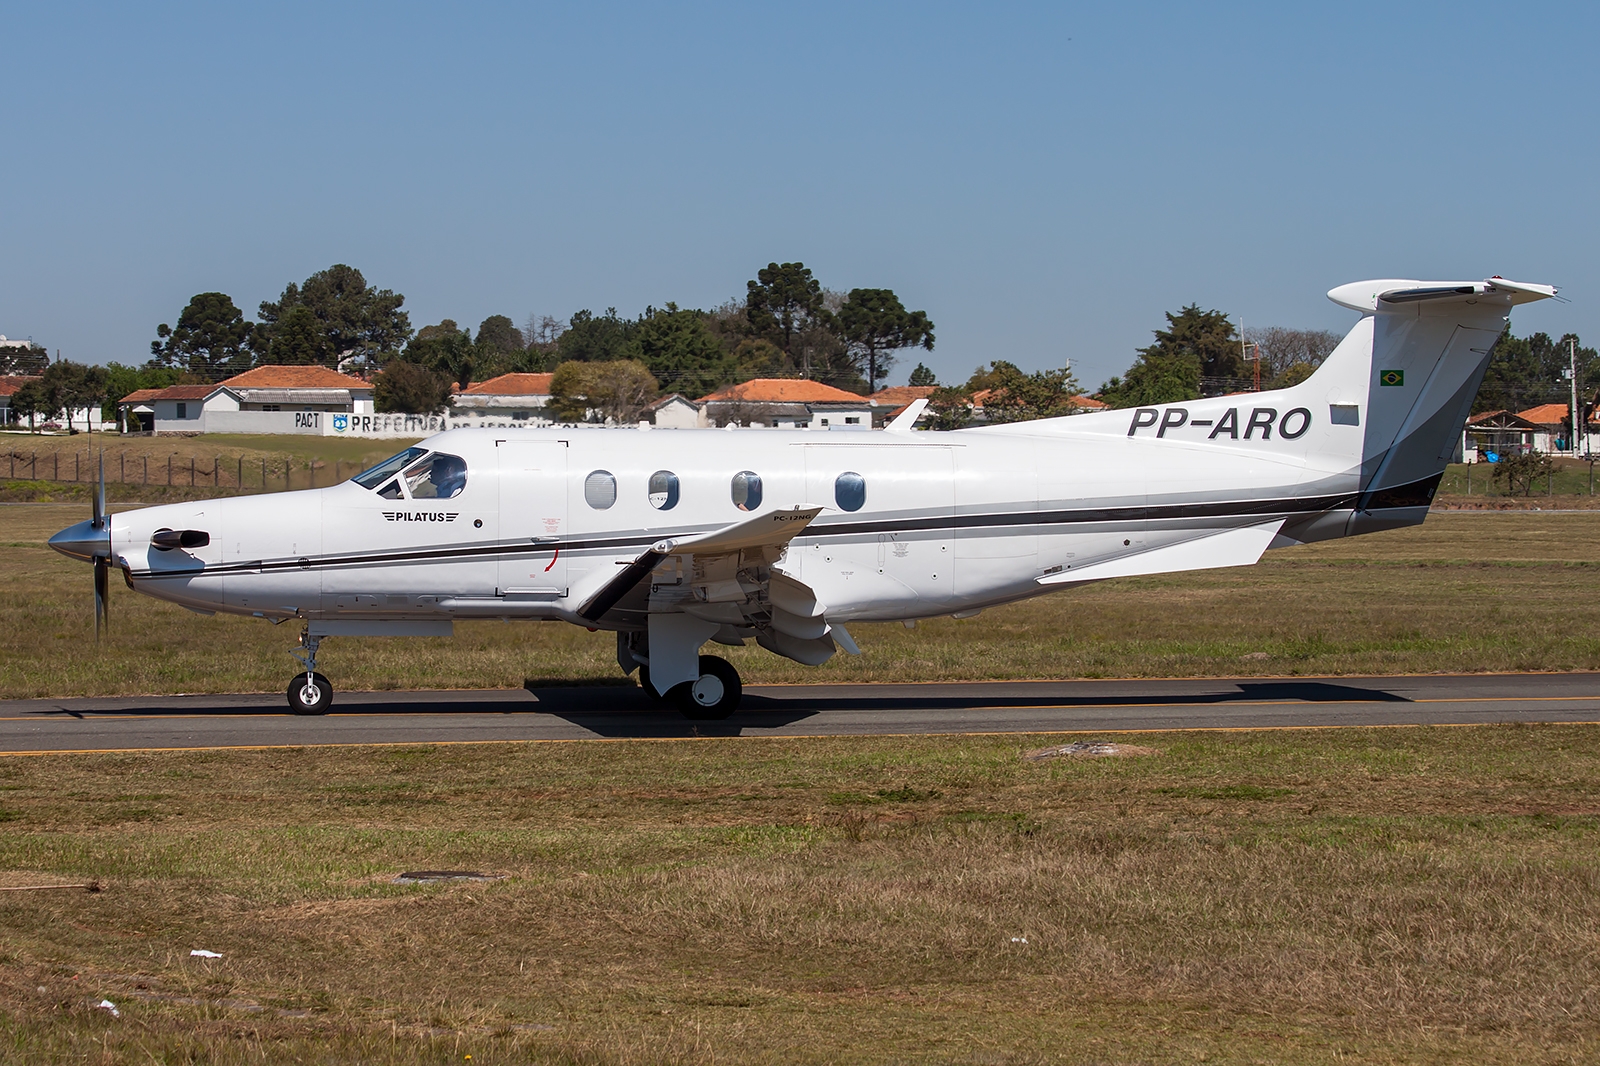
(1083, 403)
(140, 396)
(1546, 414)
(184, 392)
(512, 385)
(783, 390)
(10, 383)
(295, 377)
(901, 395)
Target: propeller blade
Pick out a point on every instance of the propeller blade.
(102, 587)
(100, 495)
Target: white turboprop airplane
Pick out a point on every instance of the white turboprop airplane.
(673, 538)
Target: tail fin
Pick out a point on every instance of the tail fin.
(1410, 370)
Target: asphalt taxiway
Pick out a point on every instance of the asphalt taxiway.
(597, 712)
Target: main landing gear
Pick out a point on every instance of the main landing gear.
(712, 696)
(310, 692)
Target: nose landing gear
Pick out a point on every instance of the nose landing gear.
(310, 692)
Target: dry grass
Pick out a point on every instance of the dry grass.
(142, 467)
(1460, 593)
(1406, 895)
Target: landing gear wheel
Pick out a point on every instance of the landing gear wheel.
(713, 695)
(310, 696)
(644, 683)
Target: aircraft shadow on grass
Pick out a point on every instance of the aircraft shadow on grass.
(629, 713)
(626, 711)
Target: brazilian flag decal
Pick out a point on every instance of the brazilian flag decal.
(1392, 377)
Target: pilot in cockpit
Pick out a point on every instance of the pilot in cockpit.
(449, 475)
(440, 478)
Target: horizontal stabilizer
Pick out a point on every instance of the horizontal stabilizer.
(1233, 547)
(1394, 294)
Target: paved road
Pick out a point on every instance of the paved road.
(601, 712)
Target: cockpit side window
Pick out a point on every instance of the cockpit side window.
(391, 491)
(437, 477)
(371, 479)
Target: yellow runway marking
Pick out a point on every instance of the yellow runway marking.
(774, 736)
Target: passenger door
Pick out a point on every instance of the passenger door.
(533, 519)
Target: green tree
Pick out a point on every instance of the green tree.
(299, 340)
(949, 408)
(352, 319)
(1013, 396)
(1520, 472)
(680, 351)
(122, 380)
(1155, 379)
(409, 388)
(25, 361)
(1525, 372)
(782, 301)
(446, 350)
(212, 339)
(498, 335)
(591, 338)
(31, 402)
(616, 390)
(875, 324)
(68, 386)
(921, 377)
(1206, 335)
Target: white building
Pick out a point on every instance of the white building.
(787, 403)
(515, 399)
(268, 399)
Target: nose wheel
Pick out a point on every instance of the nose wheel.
(714, 695)
(310, 692)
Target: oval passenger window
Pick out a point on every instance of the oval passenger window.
(600, 490)
(663, 490)
(850, 491)
(747, 490)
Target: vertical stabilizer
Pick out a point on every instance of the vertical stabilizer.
(1412, 367)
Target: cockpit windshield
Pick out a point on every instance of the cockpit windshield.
(438, 477)
(371, 479)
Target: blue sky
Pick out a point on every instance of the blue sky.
(1044, 180)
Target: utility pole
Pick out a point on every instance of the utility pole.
(1578, 426)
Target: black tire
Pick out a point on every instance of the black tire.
(314, 698)
(714, 695)
(644, 683)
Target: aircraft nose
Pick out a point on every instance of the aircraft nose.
(84, 541)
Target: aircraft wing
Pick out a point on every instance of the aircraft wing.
(715, 560)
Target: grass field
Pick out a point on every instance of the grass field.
(1462, 592)
(1377, 896)
(1391, 896)
(219, 462)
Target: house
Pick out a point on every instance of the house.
(674, 411)
(9, 384)
(267, 399)
(1497, 433)
(787, 403)
(136, 412)
(896, 398)
(510, 399)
